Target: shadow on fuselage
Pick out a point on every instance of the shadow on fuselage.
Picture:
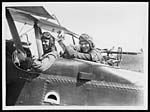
(14, 83)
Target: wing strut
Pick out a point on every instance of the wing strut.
(73, 40)
(38, 39)
(14, 32)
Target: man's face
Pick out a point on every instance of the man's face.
(85, 46)
(45, 43)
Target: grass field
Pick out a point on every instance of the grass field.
(132, 62)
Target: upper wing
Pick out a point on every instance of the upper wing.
(54, 27)
(25, 15)
(33, 10)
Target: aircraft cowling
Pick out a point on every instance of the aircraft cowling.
(99, 72)
(105, 88)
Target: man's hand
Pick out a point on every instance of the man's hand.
(36, 64)
(60, 39)
(61, 36)
(34, 57)
(70, 51)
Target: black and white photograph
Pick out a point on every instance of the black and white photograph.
(75, 55)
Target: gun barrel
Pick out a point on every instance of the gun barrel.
(115, 52)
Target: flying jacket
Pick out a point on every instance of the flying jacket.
(45, 61)
(75, 52)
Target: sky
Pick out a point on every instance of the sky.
(118, 24)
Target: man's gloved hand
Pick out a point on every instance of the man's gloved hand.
(28, 62)
(61, 36)
(36, 64)
(70, 51)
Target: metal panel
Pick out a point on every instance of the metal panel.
(90, 93)
(32, 93)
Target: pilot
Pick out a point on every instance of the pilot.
(46, 60)
(50, 53)
(86, 49)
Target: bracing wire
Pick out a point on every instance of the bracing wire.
(22, 28)
(27, 31)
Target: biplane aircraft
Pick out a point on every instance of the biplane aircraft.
(67, 81)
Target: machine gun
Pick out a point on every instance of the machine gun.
(115, 60)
